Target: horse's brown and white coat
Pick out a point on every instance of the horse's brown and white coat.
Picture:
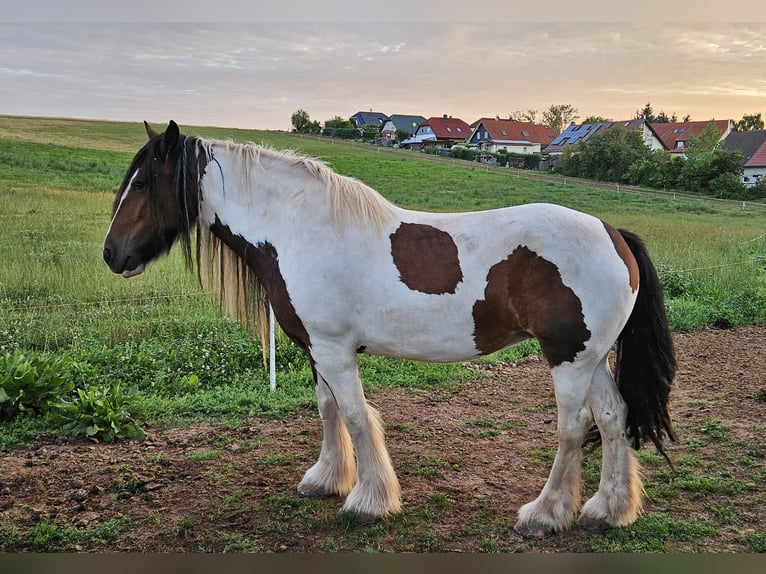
(347, 272)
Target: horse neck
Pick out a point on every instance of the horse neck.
(255, 192)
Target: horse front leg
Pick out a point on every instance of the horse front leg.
(335, 471)
(555, 508)
(376, 493)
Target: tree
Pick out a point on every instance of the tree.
(558, 116)
(529, 115)
(370, 132)
(596, 120)
(646, 113)
(402, 135)
(709, 140)
(749, 122)
(607, 156)
(662, 118)
(300, 119)
(340, 128)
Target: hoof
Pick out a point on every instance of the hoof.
(309, 491)
(592, 524)
(533, 531)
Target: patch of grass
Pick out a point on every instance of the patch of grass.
(52, 537)
(202, 455)
(412, 430)
(755, 541)
(651, 533)
(715, 429)
(432, 467)
(238, 543)
(277, 459)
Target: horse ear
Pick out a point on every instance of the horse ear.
(149, 131)
(169, 139)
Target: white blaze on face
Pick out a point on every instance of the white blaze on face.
(122, 200)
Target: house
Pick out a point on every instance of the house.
(439, 132)
(752, 145)
(576, 133)
(494, 134)
(675, 135)
(397, 122)
(361, 119)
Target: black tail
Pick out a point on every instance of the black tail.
(645, 359)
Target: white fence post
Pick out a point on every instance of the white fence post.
(272, 352)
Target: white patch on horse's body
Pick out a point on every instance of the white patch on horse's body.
(347, 272)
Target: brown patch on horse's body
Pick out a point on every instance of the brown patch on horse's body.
(526, 297)
(426, 258)
(625, 254)
(264, 261)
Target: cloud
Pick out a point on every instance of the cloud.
(256, 75)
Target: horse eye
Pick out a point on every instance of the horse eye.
(139, 185)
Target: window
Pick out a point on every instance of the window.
(505, 133)
(524, 133)
(449, 130)
(680, 144)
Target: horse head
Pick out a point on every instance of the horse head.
(152, 208)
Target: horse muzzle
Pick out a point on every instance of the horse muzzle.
(126, 266)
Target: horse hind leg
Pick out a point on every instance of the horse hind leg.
(619, 498)
(335, 471)
(556, 507)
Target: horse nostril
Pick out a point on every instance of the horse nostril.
(107, 255)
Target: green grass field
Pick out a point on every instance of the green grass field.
(156, 347)
(57, 184)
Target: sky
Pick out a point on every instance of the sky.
(248, 64)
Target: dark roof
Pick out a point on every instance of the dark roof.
(752, 144)
(366, 118)
(408, 124)
(582, 132)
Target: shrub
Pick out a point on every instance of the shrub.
(727, 186)
(29, 383)
(106, 414)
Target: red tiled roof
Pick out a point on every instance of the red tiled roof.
(671, 133)
(448, 128)
(759, 157)
(509, 130)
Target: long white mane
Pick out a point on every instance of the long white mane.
(350, 201)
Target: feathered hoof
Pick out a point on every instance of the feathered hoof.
(533, 530)
(592, 524)
(314, 491)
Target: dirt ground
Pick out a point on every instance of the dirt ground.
(466, 461)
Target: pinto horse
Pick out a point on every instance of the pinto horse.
(348, 272)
